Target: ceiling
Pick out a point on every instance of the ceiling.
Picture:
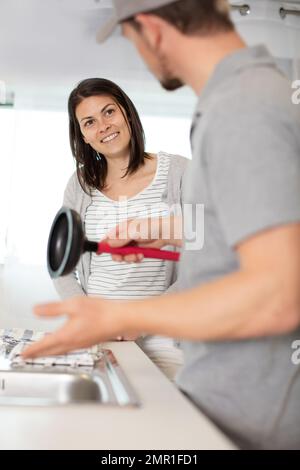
(47, 46)
(50, 40)
(50, 44)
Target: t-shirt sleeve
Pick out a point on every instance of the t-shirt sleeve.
(253, 169)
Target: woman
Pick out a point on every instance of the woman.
(117, 180)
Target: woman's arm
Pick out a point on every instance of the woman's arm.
(68, 286)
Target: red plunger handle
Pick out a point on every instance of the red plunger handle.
(147, 252)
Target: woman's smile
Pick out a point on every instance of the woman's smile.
(110, 138)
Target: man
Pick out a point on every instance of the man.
(238, 309)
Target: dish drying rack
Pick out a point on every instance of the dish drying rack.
(14, 341)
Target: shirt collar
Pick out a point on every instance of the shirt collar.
(231, 64)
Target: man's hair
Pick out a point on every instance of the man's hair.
(195, 17)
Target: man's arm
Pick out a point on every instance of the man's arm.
(262, 298)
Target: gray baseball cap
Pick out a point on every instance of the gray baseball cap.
(124, 9)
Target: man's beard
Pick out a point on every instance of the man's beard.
(167, 81)
(171, 84)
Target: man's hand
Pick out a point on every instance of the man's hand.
(155, 232)
(89, 321)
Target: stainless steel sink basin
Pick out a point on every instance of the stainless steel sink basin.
(103, 384)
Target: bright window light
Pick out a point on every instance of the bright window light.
(40, 166)
(7, 117)
(169, 134)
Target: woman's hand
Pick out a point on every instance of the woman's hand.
(155, 232)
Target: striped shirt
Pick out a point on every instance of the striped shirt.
(113, 280)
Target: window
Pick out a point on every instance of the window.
(35, 166)
(168, 134)
(6, 147)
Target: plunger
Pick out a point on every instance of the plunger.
(67, 243)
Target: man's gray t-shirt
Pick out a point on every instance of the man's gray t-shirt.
(246, 171)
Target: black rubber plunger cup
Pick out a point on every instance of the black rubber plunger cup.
(67, 243)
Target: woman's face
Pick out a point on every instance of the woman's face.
(103, 125)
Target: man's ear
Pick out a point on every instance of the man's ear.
(151, 28)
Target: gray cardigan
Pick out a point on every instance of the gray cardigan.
(75, 198)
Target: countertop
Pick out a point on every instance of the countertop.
(165, 420)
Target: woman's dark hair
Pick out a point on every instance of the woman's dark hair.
(92, 170)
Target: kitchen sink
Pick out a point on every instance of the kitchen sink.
(34, 385)
(44, 388)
